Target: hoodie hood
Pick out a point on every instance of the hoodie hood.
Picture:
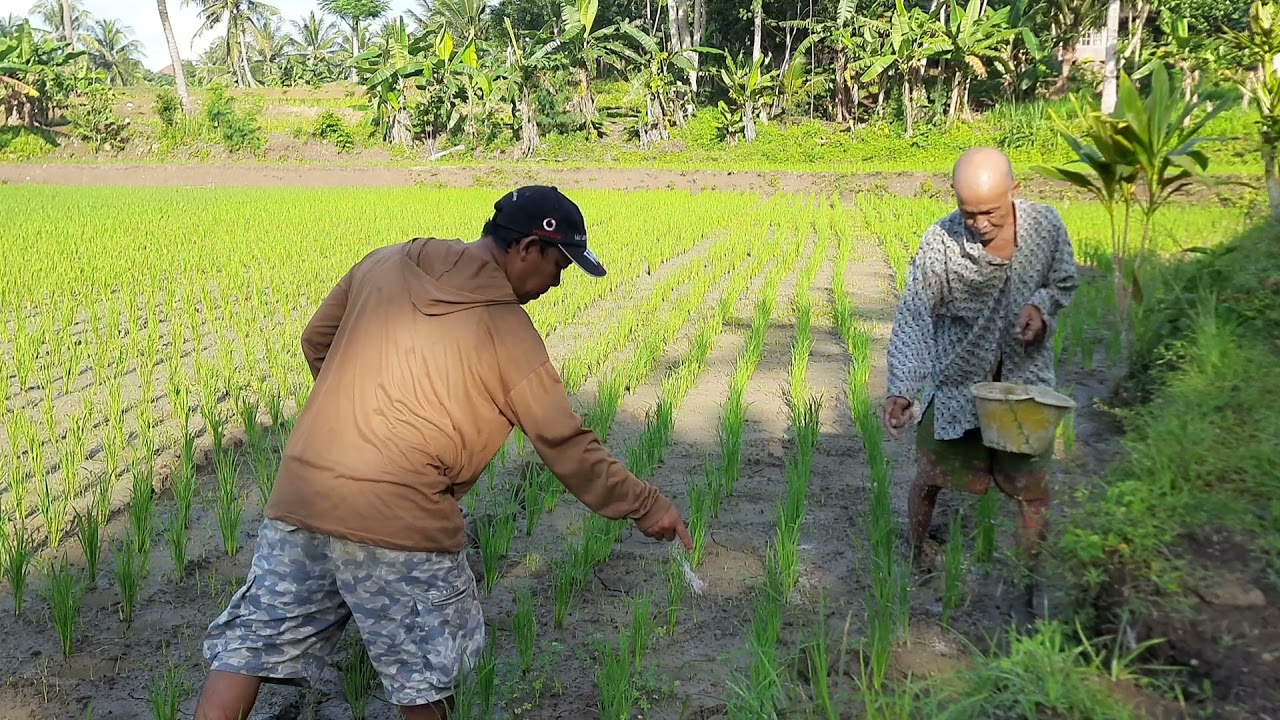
(443, 278)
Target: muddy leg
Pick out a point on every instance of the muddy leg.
(435, 711)
(227, 696)
(920, 506)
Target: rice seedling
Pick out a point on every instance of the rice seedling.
(64, 589)
(524, 629)
(168, 689)
(486, 678)
(953, 570)
(142, 506)
(818, 657)
(359, 678)
(264, 472)
(732, 423)
(89, 533)
(564, 580)
(984, 544)
(230, 505)
(614, 681)
(699, 514)
(16, 550)
(677, 585)
(496, 532)
(642, 630)
(130, 573)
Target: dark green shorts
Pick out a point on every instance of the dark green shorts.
(965, 464)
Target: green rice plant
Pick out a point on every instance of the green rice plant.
(732, 422)
(699, 513)
(230, 505)
(168, 688)
(359, 677)
(64, 590)
(142, 504)
(677, 584)
(642, 630)
(817, 655)
(533, 486)
(984, 544)
(176, 532)
(89, 533)
(486, 677)
(614, 681)
(1068, 432)
(54, 505)
(264, 472)
(525, 629)
(496, 532)
(714, 481)
(565, 585)
(953, 570)
(130, 573)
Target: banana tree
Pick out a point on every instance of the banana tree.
(915, 37)
(975, 38)
(478, 83)
(586, 47)
(1141, 155)
(38, 76)
(850, 42)
(438, 87)
(526, 67)
(658, 78)
(1259, 49)
(750, 88)
(388, 71)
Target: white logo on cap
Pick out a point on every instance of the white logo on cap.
(591, 256)
(549, 224)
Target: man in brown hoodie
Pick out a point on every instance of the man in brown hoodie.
(424, 360)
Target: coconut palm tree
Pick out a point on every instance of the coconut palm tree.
(356, 13)
(243, 20)
(67, 18)
(113, 49)
(317, 47)
(179, 73)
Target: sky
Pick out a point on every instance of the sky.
(144, 18)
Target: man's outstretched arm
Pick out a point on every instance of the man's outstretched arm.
(323, 326)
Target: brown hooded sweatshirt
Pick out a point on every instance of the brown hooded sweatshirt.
(424, 361)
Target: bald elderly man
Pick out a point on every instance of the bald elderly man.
(980, 303)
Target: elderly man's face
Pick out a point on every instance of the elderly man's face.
(987, 213)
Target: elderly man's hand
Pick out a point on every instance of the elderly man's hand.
(895, 414)
(1030, 325)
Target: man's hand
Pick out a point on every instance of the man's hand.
(1030, 325)
(668, 528)
(895, 414)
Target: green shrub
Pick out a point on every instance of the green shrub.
(238, 128)
(168, 108)
(330, 128)
(94, 120)
(21, 144)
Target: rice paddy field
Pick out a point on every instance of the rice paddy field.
(734, 356)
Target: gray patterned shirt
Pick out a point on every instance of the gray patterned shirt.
(957, 319)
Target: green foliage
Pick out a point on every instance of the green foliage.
(168, 108)
(21, 144)
(239, 129)
(93, 119)
(329, 127)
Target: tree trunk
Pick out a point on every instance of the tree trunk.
(586, 102)
(695, 37)
(957, 80)
(355, 50)
(1067, 55)
(1111, 70)
(529, 139)
(843, 100)
(68, 32)
(400, 128)
(908, 100)
(749, 121)
(756, 29)
(1273, 181)
(1136, 29)
(179, 74)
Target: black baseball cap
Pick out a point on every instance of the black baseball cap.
(544, 211)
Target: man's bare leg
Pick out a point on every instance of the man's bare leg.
(435, 711)
(921, 502)
(227, 696)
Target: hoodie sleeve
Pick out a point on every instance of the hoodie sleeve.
(540, 407)
(317, 337)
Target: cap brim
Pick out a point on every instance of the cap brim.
(585, 259)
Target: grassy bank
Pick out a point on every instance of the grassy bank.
(1177, 541)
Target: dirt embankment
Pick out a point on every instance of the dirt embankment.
(845, 184)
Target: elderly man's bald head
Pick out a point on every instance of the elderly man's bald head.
(983, 171)
(985, 186)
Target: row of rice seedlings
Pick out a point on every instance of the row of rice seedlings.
(620, 664)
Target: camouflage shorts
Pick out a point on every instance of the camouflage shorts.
(967, 465)
(417, 612)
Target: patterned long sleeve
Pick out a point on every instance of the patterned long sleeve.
(911, 344)
(1063, 280)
